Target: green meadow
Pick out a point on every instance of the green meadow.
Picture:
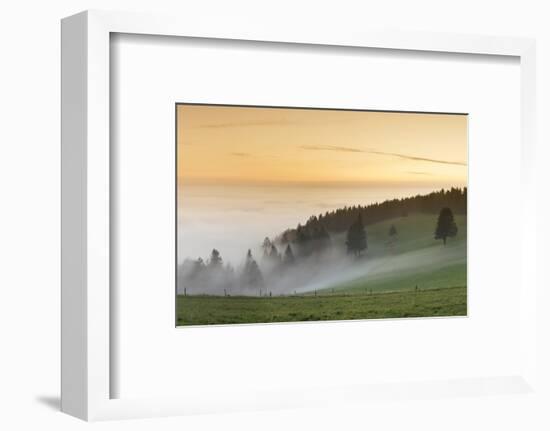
(412, 275)
(205, 310)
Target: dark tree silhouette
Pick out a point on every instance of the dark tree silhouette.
(393, 237)
(446, 226)
(197, 267)
(266, 245)
(215, 259)
(303, 240)
(274, 256)
(356, 239)
(288, 258)
(321, 238)
(251, 275)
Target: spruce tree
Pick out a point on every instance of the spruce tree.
(321, 238)
(288, 258)
(274, 256)
(266, 245)
(303, 240)
(252, 276)
(198, 266)
(446, 226)
(356, 239)
(215, 259)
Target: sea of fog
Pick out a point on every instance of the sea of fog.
(236, 218)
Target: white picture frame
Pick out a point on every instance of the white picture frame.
(86, 301)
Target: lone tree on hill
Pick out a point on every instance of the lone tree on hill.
(356, 239)
(393, 237)
(446, 226)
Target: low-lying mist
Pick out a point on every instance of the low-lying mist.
(233, 219)
(329, 269)
(225, 226)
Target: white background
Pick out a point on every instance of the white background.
(29, 220)
(156, 359)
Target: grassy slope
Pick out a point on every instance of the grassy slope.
(416, 259)
(205, 310)
(414, 232)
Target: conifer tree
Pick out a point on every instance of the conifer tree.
(198, 266)
(288, 258)
(251, 275)
(274, 256)
(303, 240)
(356, 239)
(266, 245)
(215, 259)
(446, 226)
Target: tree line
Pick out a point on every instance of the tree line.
(341, 219)
(215, 275)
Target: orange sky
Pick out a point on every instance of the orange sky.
(249, 145)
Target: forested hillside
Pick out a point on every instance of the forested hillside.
(341, 219)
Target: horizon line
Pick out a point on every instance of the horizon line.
(317, 183)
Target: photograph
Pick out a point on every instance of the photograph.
(295, 214)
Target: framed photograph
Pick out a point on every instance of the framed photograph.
(309, 214)
(245, 210)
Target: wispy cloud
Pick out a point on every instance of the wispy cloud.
(418, 173)
(242, 124)
(241, 154)
(331, 148)
(382, 153)
(416, 158)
